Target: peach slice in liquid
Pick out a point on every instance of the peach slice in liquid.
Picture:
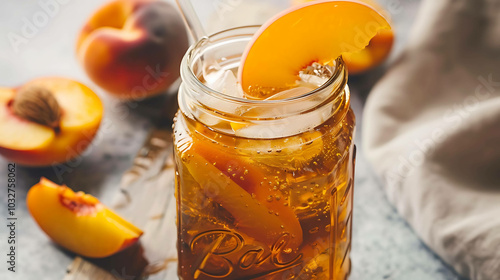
(246, 200)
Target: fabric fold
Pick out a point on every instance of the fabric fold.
(431, 130)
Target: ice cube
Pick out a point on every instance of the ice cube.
(224, 81)
(292, 125)
(290, 152)
(290, 93)
(315, 75)
(267, 112)
(311, 81)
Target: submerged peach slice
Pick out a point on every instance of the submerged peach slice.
(78, 221)
(243, 190)
(312, 32)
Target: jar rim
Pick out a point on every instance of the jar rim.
(188, 74)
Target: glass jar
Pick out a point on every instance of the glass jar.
(264, 188)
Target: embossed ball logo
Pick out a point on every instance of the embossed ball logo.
(221, 247)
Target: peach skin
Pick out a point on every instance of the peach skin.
(47, 121)
(78, 221)
(133, 48)
(377, 50)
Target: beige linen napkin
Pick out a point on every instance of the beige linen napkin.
(432, 132)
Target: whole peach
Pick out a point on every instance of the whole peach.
(133, 48)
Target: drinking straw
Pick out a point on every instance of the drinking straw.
(191, 19)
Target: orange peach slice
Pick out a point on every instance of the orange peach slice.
(78, 221)
(373, 55)
(312, 32)
(377, 50)
(27, 138)
(244, 191)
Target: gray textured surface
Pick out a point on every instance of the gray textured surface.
(384, 246)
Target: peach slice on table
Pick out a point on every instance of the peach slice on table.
(243, 190)
(377, 50)
(47, 121)
(78, 221)
(312, 32)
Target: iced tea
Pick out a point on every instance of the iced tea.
(264, 188)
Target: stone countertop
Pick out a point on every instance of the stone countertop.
(384, 246)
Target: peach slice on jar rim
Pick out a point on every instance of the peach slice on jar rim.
(375, 53)
(302, 35)
(79, 222)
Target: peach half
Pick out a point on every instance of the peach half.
(133, 48)
(78, 221)
(318, 31)
(47, 121)
(377, 50)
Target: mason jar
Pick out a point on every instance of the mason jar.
(264, 188)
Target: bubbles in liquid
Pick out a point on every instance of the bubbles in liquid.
(328, 228)
(314, 230)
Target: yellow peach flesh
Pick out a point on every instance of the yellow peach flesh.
(79, 222)
(312, 32)
(17, 133)
(32, 144)
(377, 50)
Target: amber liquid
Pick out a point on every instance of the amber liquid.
(264, 209)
